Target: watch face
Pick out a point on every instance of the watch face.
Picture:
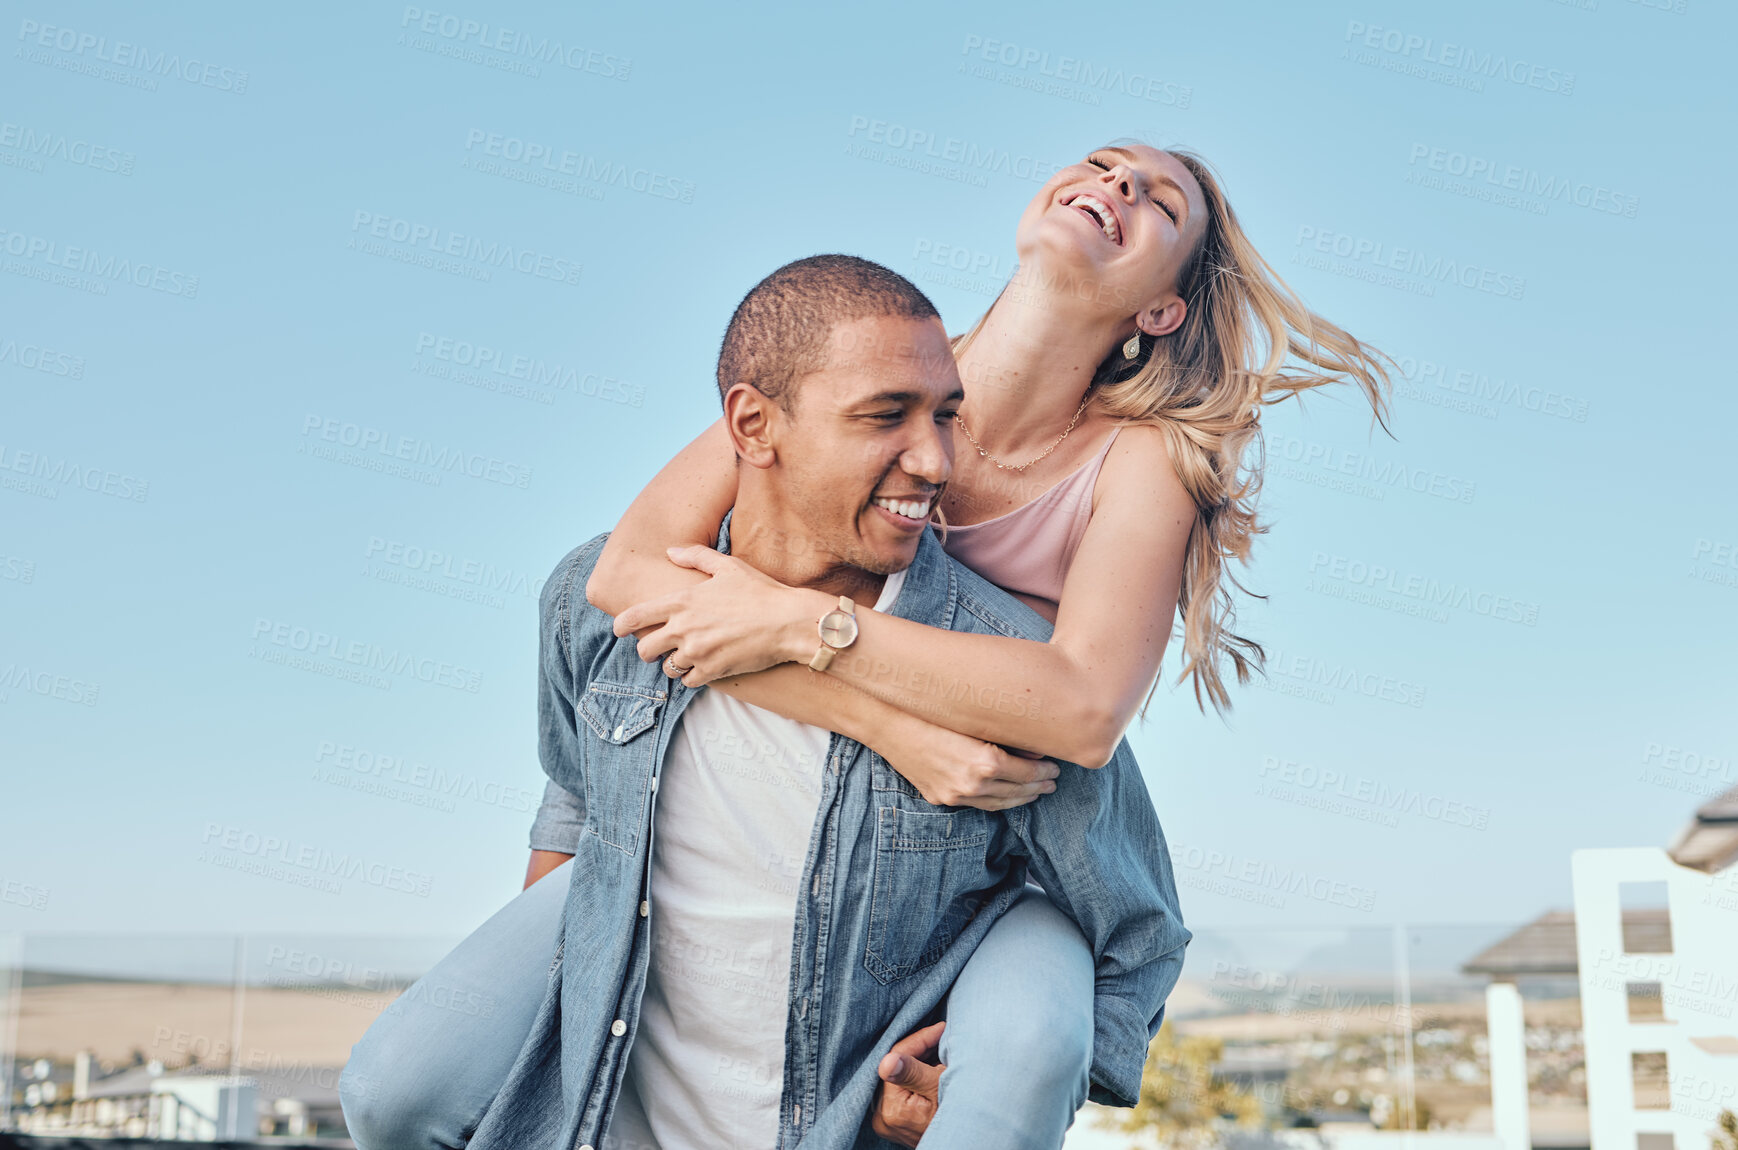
(838, 629)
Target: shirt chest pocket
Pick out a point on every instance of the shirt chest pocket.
(931, 876)
(621, 742)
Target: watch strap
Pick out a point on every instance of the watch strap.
(824, 654)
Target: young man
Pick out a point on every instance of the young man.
(745, 936)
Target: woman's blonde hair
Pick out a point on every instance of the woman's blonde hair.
(1246, 341)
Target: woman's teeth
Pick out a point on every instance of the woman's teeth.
(1100, 211)
(904, 507)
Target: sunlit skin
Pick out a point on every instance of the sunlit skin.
(1042, 342)
(1077, 296)
(875, 423)
(1158, 215)
(1066, 309)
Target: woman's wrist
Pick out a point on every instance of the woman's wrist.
(800, 630)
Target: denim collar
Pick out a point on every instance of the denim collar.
(927, 596)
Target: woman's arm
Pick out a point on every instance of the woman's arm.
(947, 768)
(1071, 697)
(682, 505)
(1074, 696)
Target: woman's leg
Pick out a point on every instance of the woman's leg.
(1018, 1043)
(424, 1073)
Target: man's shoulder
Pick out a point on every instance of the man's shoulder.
(985, 608)
(579, 640)
(564, 590)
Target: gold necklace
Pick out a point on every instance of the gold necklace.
(973, 440)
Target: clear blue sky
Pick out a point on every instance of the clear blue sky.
(1526, 201)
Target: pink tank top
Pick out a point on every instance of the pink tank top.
(1030, 549)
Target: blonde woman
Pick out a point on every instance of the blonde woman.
(1113, 391)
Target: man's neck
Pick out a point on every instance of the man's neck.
(781, 547)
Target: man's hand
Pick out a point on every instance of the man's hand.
(905, 1101)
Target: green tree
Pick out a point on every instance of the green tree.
(1182, 1101)
(1727, 1138)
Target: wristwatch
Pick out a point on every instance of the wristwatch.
(838, 629)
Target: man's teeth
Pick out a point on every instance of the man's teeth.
(905, 507)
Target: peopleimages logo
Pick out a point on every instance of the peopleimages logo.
(1459, 59)
(1714, 561)
(14, 569)
(1074, 70)
(386, 768)
(429, 241)
(1373, 792)
(1481, 393)
(420, 452)
(21, 677)
(1358, 581)
(44, 471)
(435, 562)
(104, 266)
(36, 357)
(1521, 180)
(929, 146)
(1271, 879)
(24, 894)
(35, 146)
(129, 58)
(526, 46)
(1307, 669)
(566, 162)
(1674, 768)
(238, 848)
(1411, 261)
(318, 645)
(1385, 474)
(532, 370)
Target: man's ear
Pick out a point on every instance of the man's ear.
(751, 418)
(1163, 318)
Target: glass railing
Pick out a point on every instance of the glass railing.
(201, 1037)
(1335, 1030)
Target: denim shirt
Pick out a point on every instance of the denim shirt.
(895, 892)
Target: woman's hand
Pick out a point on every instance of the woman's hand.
(739, 620)
(954, 770)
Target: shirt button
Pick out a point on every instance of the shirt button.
(587, 1146)
(620, 731)
(618, 1028)
(645, 909)
(797, 1115)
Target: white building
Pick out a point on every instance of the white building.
(1658, 1008)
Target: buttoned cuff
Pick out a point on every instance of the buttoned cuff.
(1119, 1051)
(559, 821)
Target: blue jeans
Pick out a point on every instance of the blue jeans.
(1018, 1042)
(1017, 1045)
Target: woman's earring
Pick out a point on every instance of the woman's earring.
(1133, 347)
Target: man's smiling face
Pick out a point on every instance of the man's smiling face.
(867, 445)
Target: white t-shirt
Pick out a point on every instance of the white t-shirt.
(736, 807)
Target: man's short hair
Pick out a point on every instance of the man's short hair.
(779, 331)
